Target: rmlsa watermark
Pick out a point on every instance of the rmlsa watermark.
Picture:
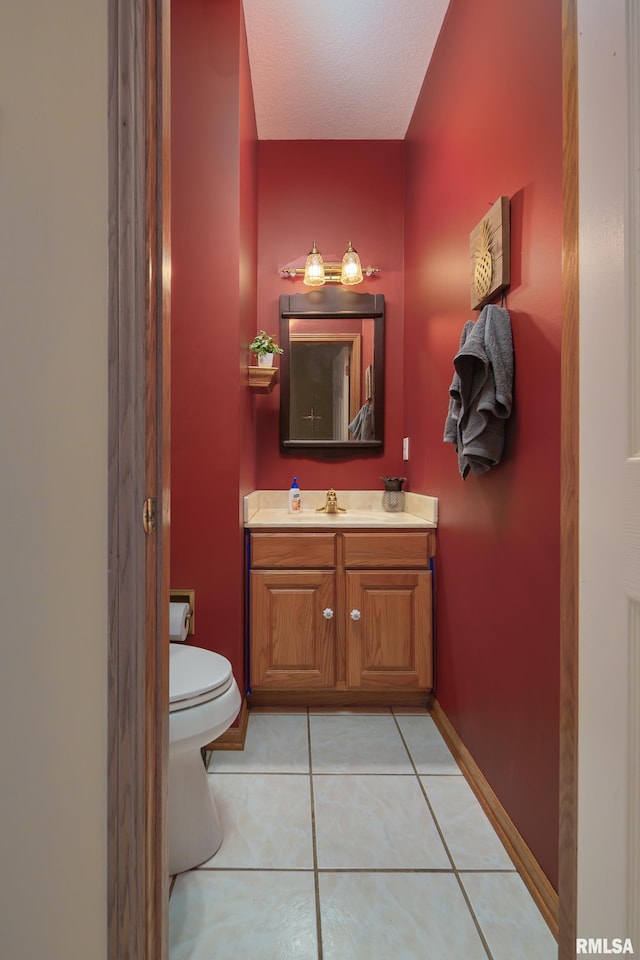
(603, 947)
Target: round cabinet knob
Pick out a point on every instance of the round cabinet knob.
(327, 613)
(355, 614)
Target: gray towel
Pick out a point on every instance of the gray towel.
(361, 426)
(455, 405)
(481, 392)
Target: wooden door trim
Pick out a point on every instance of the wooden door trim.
(131, 915)
(137, 862)
(355, 340)
(569, 513)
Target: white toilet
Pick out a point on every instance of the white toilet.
(204, 700)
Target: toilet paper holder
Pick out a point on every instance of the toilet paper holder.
(186, 596)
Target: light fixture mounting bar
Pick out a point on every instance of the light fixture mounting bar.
(332, 272)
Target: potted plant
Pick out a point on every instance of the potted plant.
(264, 347)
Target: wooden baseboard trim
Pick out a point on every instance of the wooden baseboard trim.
(339, 698)
(234, 737)
(535, 879)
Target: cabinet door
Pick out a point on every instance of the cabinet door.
(388, 629)
(292, 629)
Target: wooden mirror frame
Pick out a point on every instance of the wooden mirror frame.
(332, 303)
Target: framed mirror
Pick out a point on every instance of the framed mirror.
(332, 371)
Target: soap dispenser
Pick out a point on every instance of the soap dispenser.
(295, 501)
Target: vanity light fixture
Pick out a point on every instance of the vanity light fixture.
(314, 268)
(317, 271)
(351, 267)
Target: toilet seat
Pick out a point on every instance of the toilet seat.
(196, 676)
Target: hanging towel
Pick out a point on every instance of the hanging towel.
(361, 426)
(455, 405)
(481, 392)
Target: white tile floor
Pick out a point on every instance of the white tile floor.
(351, 836)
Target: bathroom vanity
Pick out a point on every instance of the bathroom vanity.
(340, 605)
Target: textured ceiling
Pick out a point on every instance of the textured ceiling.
(339, 69)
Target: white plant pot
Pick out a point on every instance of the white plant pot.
(266, 360)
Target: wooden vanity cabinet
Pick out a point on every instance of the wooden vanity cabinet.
(292, 641)
(293, 588)
(341, 611)
(388, 610)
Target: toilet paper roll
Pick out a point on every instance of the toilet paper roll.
(178, 621)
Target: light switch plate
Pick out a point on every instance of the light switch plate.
(405, 448)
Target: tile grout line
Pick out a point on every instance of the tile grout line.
(423, 780)
(444, 843)
(203, 868)
(316, 877)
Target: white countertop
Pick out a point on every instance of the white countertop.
(269, 508)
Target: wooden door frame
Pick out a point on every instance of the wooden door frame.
(138, 674)
(569, 504)
(138, 438)
(354, 340)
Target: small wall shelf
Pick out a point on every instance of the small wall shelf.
(263, 378)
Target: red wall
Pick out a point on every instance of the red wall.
(331, 192)
(488, 122)
(214, 245)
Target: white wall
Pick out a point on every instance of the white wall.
(609, 481)
(53, 478)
